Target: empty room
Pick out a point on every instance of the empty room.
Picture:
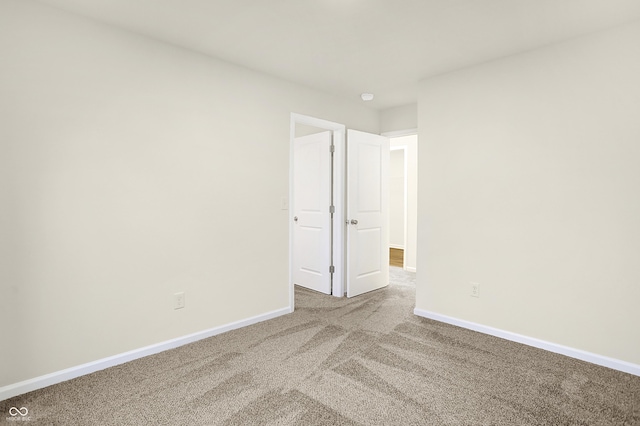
(194, 212)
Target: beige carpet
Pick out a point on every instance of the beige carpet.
(366, 360)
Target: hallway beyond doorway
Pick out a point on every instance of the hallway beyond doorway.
(396, 257)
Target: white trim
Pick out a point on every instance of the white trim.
(339, 131)
(339, 162)
(396, 246)
(40, 382)
(405, 183)
(604, 361)
(410, 268)
(399, 133)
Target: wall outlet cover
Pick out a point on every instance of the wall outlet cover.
(475, 290)
(178, 300)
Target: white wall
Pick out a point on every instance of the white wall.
(132, 170)
(403, 117)
(530, 186)
(396, 198)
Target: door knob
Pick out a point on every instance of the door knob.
(354, 222)
(295, 218)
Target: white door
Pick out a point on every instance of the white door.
(311, 213)
(367, 266)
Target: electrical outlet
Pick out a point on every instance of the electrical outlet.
(475, 290)
(178, 300)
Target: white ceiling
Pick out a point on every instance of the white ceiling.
(347, 47)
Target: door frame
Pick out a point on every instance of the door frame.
(338, 131)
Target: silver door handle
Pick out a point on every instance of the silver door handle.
(295, 218)
(354, 222)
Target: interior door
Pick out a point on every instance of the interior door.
(367, 266)
(311, 212)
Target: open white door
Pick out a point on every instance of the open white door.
(310, 212)
(367, 266)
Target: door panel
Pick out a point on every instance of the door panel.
(367, 212)
(311, 215)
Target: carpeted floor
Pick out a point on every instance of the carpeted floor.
(366, 360)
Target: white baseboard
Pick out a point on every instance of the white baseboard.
(20, 388)
(410, 268)
(604, 361)
(396, 246)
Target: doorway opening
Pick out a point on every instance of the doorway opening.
(397, 205)
(303, 129)
(403, 188)
(346, 255)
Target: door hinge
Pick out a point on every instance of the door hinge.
(332, 269)
(332, 148)
(332, 209)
